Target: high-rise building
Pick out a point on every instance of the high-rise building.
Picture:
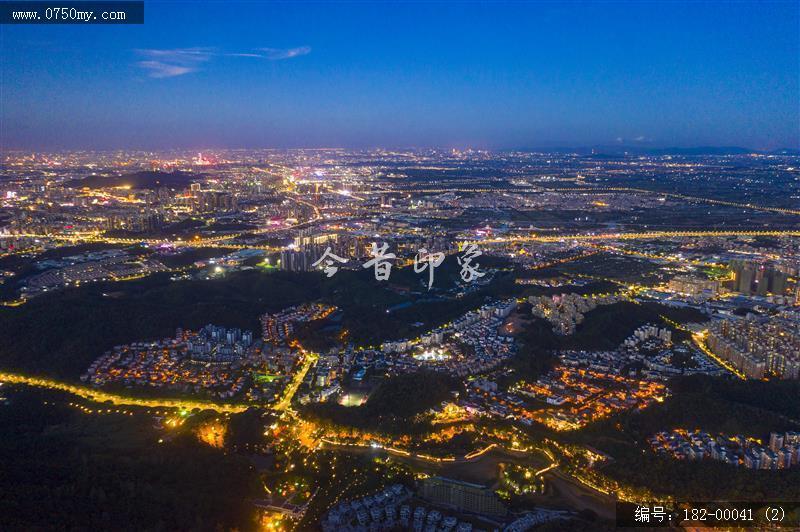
(694, 286)
(753, 278)
(299, 260)
(743, 277)
(758, 347)
(775, 441)
(462, 496)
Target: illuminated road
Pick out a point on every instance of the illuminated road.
(102, 397)
(651, 235)
(218, 241)
(700, 341)
(286, 401)
(99, 396)
(512, 454)
(211, 242)
(97, 237)
(298, 199)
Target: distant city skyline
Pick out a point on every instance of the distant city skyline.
(354, 75)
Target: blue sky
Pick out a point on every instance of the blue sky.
(490, 75)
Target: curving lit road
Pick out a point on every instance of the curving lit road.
(115, 399)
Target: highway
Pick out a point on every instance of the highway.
(219, 241)
(649, 235)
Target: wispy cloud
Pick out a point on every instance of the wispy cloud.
(243, 54)
(168, 63)
(276, 54)
(157, 69)
(640, 138)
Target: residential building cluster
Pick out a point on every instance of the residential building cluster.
(783, 451)
(589, 385)
(484, 396)
(694, 286)
(758, 347)
(540, 516)
(476, 338)
(552, 282)
(566, 311)
(462, 496)
(457, 505)
(278, 328)
(650, 353)
(469, 345)
(214, 361)
(115, 267)
(679, 359)
(382, 511)
(579, 396)
(760, 278)
(652, 361)
(218, 345)
(394, 508)
(661, 335)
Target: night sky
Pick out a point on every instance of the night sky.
(482, 75)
